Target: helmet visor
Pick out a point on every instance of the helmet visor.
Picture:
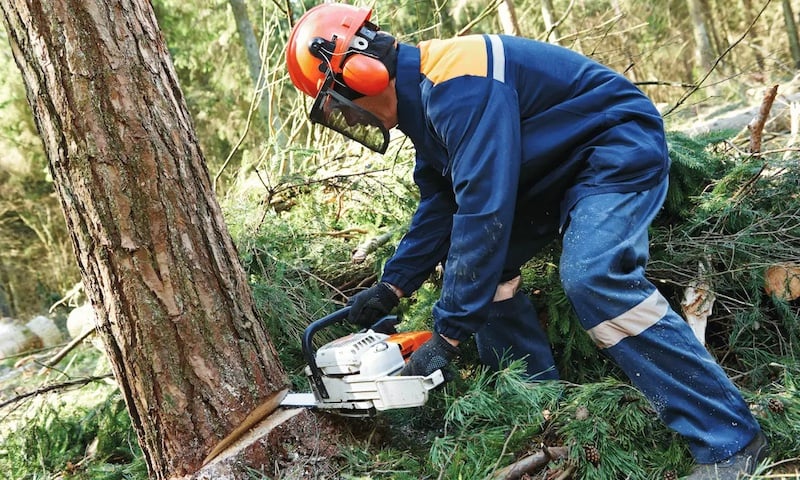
(342, 115)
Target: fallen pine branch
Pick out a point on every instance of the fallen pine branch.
(78, 382)
(530, 463)
(369, 246)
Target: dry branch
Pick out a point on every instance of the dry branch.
(756, 125)
(369, 246)
(64, 351)
(490, 9)
(54, 386)
(346, 233)
(530, 463)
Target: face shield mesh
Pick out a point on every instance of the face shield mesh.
(336, 112)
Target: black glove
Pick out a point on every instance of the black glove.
(369, 306)
(433, 355)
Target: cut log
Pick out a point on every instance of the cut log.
(16, 337)
(783, 281)
(80, 320)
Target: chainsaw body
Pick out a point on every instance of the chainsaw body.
(357, 375)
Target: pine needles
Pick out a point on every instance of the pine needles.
(498, 414)
(94, 442)
(613, 422)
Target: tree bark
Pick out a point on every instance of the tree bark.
(173, 306)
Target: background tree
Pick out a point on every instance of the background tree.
(791, 31)
(253, 53)
(550, 27)
(173, 305)
(508, 17)
(703, 45)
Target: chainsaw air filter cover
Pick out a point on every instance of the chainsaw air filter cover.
(365, 353)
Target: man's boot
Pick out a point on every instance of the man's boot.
(735, 467)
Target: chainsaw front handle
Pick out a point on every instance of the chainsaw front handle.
(308, 346)
(310, 353)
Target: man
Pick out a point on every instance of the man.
(518, 142)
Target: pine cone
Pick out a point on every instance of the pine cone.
(592, 454)
(775, 405)
(670, 475)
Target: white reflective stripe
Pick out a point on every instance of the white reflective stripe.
(631, 323)
(498, 58)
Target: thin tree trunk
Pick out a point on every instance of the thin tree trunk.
(791, 31)
(711, 27)
(704, 53)
(172, 301)
(548, 14)
(746, 7)
(508, 18)
(253, 53)
(5, 304)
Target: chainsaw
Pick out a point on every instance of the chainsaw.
(357, 375)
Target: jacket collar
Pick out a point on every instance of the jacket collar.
(410, 118)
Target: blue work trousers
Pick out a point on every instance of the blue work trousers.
(602, 268)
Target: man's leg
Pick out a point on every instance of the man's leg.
(513, 332)
(605, 251)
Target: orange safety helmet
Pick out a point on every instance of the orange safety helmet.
(331, 39)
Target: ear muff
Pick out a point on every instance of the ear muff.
(365, 74)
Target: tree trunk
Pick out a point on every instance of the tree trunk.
(548, 14)
(791, 32)
(755, 35)
(173, 306)
(704, 55)
(707, 14)
(253, 54)
(508, 17)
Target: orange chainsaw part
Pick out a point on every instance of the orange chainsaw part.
(409, 342)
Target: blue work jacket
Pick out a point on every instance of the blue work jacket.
(509, 133)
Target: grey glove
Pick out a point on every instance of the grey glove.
(435, 354)
(371, 305)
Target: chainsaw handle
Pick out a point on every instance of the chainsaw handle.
(308, 346)
(386, 323)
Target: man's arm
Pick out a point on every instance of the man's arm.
(428, 237)
(481, 132)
